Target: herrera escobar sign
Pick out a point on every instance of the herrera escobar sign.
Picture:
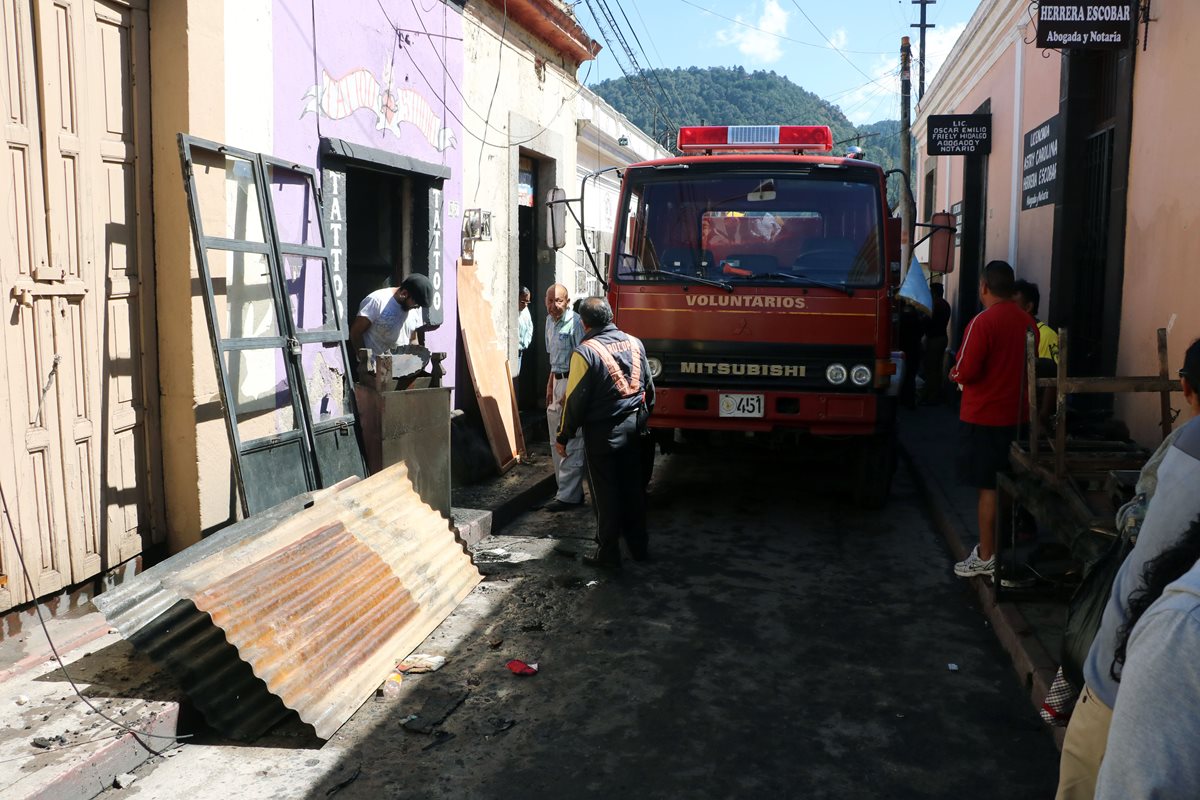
(1104, 24)
(959, 134)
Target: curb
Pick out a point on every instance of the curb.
(521, 502)
(1032, 663)
(96, 771)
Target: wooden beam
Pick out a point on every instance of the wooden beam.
(1104, 385)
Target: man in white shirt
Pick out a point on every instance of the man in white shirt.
(389, 318)
(524, 326)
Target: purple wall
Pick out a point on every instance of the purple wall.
(374, 87)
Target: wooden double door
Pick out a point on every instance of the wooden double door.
(79, 433)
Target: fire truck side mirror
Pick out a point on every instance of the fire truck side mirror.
(941, 243)
(556, 219)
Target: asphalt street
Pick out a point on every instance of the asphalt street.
(780, 644)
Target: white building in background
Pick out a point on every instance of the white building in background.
(604, 138)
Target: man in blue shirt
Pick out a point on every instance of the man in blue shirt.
(564, 332)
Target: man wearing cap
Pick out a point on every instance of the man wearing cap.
(390, 317)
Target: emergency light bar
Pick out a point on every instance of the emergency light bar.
(756, 138)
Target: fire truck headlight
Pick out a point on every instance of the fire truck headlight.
(835, 374)
(655, 366)
(860, 375)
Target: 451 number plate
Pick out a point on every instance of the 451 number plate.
(741, 405)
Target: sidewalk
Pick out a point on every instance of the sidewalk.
(1030, 631)
(54, 747)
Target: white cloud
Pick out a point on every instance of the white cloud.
(839, 39)
(759, 45)
(876, 99)
(881, 99)
(938, 44)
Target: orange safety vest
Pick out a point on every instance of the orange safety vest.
(625, 387)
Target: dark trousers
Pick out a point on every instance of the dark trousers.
(933, 368)
(615, 462)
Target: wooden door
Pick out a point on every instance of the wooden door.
(119, 156)
(75, 268)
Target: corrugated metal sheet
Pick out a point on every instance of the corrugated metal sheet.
(304, 607)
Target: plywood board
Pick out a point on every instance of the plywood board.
(487, 359)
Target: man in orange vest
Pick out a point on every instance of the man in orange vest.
(609, 397)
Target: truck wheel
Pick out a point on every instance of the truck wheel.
(874, 470)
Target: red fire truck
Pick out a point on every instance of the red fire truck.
(760, 273)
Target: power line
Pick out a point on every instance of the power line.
(610, 31)
(922, 26)
(780, 35)
(653, 71)
(827, 39)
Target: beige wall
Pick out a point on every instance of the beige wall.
(538, 117)
(187, 94)
(1035, 228)
(992, 62)
(1162, 283)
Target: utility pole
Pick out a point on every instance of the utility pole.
(906, 209)
(921, 52)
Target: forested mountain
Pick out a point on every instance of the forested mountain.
(733, 96)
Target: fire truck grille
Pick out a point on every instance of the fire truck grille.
(763, 367)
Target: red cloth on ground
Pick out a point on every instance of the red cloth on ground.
(991, 366)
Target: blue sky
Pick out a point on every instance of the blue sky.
(851, 60)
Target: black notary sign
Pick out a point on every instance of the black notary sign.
(1039, 170)
(958, 135)
(1098, 24)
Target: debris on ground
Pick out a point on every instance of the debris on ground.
(22, 700)
(495, 643)
(500, 555)
(124, 780)
(419, 663)
(952, 667)
(437, 707)
(519, 667)
(501, 724)
(441, 737)
(391, 687)
(589, 584)
(47, 742)
(339, 786)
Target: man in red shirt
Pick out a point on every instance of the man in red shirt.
(990, 370)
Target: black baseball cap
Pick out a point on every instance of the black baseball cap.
(419, 288)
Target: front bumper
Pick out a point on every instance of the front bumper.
(818, 413)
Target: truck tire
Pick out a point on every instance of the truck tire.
(875, 467)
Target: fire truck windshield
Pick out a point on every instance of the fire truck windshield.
(752, 228)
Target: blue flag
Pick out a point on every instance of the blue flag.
(915, 289)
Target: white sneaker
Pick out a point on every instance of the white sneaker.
(973, 565)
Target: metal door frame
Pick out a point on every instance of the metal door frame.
(289, 341)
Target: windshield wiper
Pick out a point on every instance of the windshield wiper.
(693, 279)
(800, 277)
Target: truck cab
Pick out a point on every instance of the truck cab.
(759, 271)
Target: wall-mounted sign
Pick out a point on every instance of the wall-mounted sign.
(959, 135)
(1103, 24)
(956, 210)
(333, 198)
(1039, 171)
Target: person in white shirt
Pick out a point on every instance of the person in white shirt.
(389, 318)
(524, 326)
